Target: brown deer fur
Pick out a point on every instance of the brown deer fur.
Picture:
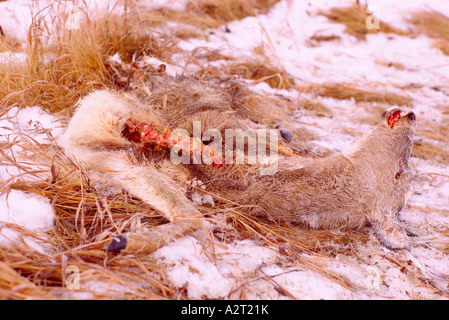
(367, 185)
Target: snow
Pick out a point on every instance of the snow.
(31, 211)
(16, 16)
(28, 121)
(27, 210)
(12, 58)
(240, 264)
(177, 5)
(261, 271)
(249, 265)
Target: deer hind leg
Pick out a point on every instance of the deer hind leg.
(161, 193)
(157, 190)
(390, 231)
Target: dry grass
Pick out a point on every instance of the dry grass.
(84, 214)
(77, 56)
(76, 64)
(28, 274)
(313, 106)
(434, 25)
(211, 14)
(214, 13)
(317, 38)
(342, 91)
(432, 141)
(206, 14)
(354, 18)
(261, 70)
(86, 219)
(8, 43)
(262, 66)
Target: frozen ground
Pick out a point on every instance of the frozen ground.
(373, 271)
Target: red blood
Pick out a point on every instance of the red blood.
(393, 118)
(145, 133)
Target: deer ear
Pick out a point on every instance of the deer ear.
(391, 116)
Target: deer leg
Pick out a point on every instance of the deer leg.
(390, 232)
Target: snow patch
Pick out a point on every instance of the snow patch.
(27, 210)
